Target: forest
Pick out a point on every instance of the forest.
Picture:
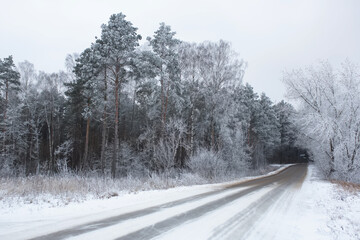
(168, 107)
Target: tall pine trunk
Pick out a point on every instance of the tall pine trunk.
(103, 137)
(37, 150)
(51, 163)
(192, 132)
(6, 98)
(332, 157)
(212, 135)
(86, 152)
(162, 105)
(133, 111)
(5, 111)
(212, 128)
(116, 134)
(166, 102)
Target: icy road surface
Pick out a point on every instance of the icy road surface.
(252, 209)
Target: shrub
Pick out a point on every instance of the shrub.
(207, 164)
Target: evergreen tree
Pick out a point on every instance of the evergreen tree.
(9, 80)
(165, 46)
(119, 40)
(9, 84)
(86, 70)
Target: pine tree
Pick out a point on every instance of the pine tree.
(86, 70)
(9, 79)
(165, 46)
(119, 39)
(9, 84)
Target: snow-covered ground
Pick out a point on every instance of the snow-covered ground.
(320, 210)
(323, 210)
(317, 210)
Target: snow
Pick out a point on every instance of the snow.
(325, 210)
(316, 210)
(206, 225)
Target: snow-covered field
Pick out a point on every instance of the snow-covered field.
(317, 210)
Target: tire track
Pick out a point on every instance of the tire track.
(238, 226)
(168, 224)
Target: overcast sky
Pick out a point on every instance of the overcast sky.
(271, 36)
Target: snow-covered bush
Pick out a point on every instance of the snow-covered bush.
(129, 164)
(207, 164)
(235, 152)
(62, 155)
(162, 151)
(6, 165)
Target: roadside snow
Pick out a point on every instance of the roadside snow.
(322, 210)
(317, 210)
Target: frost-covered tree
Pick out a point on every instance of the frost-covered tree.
(165, 46)
(31, 117)
(9, 85)
(329, 115)
(189, 61)
(119, 40)
(52, 108)
(86, 70)
(259, 122)
(285, 113)
(287, 150)
(266, 129)
(220, 69)
(27, 73)
(9, 81)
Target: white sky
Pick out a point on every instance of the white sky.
(271, 36)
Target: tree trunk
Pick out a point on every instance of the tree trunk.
(51, 164)
(116, 134)
(103, 137)
(5, 111)
(332, 158)
(212, 132)
(52, 160)
(6, 98)
(85, 161)
(192, 132)
(28, 161)
(162, 105)
(103, 144)
(37, 150)
(133, 111)
(166, 103)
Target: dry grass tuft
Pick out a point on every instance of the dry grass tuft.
(74, 188)
(348, 186)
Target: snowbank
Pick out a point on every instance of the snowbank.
(323, 210)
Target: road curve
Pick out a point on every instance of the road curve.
(237, 225)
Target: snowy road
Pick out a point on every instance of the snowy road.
(247, 210)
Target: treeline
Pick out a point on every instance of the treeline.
(122, 109)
